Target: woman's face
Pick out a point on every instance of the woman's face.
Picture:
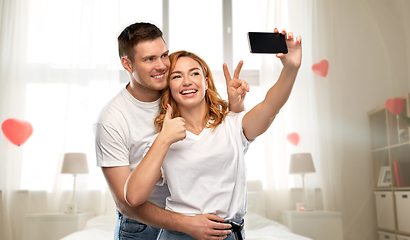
(188, 83)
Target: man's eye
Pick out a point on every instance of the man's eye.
(165, 55)
(149, 59)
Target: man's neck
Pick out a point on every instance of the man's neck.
(143, 94)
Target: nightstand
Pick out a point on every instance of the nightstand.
(53, 226)
(318, 225)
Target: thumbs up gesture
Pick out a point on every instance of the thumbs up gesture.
(173, 129)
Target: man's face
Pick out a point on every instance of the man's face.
(151, 64)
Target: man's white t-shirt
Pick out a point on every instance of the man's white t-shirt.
(206, 173)
(122, 132)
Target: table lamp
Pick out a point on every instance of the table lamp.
(301, 163)
(74, 163)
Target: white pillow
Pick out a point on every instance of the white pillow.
(103, 222)
(256, 198)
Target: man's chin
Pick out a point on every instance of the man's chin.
(162, 86)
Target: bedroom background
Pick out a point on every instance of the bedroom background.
(59, 66)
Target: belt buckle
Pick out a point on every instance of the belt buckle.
(236, 229)
(235, 226)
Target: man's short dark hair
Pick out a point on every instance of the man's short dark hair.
(133, 34)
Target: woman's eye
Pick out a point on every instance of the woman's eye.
(176, 76)
(195, 74)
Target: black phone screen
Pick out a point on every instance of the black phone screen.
(266, 42)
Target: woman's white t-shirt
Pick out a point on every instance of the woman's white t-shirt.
(206, 173)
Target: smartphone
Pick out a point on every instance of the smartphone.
(267, 42)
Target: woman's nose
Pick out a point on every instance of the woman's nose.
(186, 81)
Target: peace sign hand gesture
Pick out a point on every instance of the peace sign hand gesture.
(236, 88)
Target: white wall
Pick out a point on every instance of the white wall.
(369, 65)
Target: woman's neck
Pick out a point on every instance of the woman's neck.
(194, 118)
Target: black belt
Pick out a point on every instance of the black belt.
(236, 229)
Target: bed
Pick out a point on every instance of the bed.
(257, 226)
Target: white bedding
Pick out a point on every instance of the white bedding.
(257, 226)
(97, 228)
(261, 228)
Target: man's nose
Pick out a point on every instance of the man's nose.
(160, 65)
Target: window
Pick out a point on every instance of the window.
(241, 26)
(74, 44)
(82, 32)
(196, 27)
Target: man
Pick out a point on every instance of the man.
(127, 123)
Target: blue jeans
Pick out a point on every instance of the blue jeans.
(130, 229)
(174, 235)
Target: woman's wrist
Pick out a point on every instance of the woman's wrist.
(163, 140)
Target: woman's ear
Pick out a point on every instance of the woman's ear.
(127, 64)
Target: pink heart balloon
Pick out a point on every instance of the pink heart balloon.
(395, 105)
(17, 131)
(293, 138)
(321, 68)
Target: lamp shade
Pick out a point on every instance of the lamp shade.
(301, 163)
(75, 163)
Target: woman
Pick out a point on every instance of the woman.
(203, 144)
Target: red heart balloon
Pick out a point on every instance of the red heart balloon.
(17, 131)
(321, 68)
(293, 138)
(395, 105)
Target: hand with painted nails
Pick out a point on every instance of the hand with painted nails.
(293, 58)
(173, 129)
(236, 88)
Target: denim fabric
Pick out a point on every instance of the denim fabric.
(174, 235)
(130, 229)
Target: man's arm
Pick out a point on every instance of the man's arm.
(199, 227)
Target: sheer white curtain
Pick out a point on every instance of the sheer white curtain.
(366, 44)
(305, 113)
(59, 66)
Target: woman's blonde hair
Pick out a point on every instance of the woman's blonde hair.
(218, 108)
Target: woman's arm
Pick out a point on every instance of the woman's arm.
(143, 178)
(204, 226)
(259, 118)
